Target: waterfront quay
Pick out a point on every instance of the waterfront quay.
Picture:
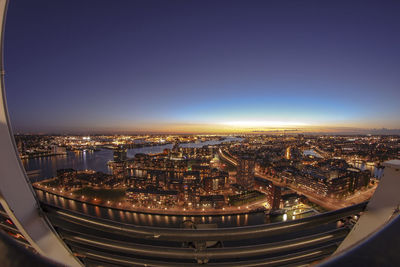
(217, 176)
(125, 206)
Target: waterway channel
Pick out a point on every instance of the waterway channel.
(97, 160)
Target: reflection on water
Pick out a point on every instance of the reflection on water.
(311, 152)
(97, 211)
(80, 161)
(96, 160)
(376, 172)
(158, 220)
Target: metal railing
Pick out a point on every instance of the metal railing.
(63, 218)
(95, 258)
(95, 239)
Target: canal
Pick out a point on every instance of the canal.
(97, 160)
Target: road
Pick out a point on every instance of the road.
(325, 202)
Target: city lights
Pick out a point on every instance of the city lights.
(187, 133)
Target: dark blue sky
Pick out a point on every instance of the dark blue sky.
(97, 65)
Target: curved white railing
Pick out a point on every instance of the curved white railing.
(16, 193)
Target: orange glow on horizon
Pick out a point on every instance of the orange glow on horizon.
(187, 128)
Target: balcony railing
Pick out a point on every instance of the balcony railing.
(97, 240)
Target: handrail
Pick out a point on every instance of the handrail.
(218, 234)
(303, 257)
(209, 253)
(14, 252)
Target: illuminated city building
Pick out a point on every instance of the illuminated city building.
(245, 171)
(54, 222)
(120, 154)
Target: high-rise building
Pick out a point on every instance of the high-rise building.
(274, 198)
(120, 154)
(245, 171)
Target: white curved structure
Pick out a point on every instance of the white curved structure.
(16, 193)
(382, 208)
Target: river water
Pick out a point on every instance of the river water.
(375, 171)
(97, 161)
(156, 220)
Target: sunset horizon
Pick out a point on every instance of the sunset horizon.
(199, 133)
(247, 67)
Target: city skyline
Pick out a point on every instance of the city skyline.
(202, 67)
(199, 133)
